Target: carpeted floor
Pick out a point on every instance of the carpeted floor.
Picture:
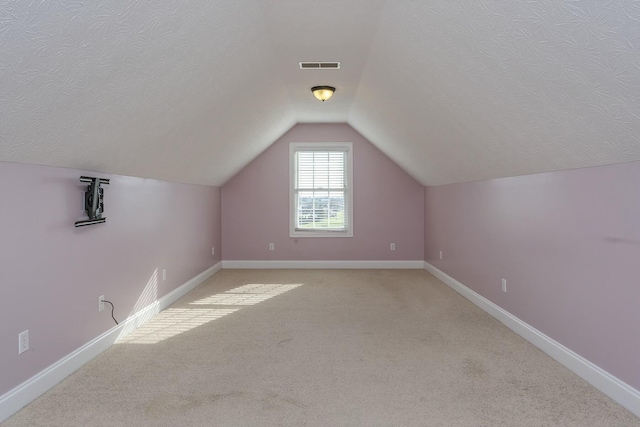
(323, 348)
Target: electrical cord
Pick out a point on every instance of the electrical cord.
(112, 308)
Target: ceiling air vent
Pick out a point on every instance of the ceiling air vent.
(319, 65)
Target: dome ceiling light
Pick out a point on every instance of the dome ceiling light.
(323, 93)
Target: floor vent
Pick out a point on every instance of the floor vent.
(319, 65)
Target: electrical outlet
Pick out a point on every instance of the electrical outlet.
(164, 274)
(440, 254)
(213, 250)
(23, 341)
(393, 246)
(272, 247)
(504, 285)
(100, 303)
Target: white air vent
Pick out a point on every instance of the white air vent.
(319, 65)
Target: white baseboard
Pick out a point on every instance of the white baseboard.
(15, 399)
(324, 264)
(616, 389)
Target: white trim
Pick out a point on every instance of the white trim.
(324, 264)
(616, 389)
(15, 399)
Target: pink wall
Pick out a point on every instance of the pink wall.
(388, 206)
(52, 273)
(568, 244)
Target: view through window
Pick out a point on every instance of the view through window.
(321, 190)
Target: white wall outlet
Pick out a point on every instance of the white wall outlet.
(164, 274)
(440, 254)
(504, 285)
(393, 246)
(272, 246)
(23, 341)
(100, 303)
(213, 250)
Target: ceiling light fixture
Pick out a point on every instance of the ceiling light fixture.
(323, 92)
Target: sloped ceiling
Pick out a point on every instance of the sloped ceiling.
(187, 91)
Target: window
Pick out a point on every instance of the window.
(321, 193)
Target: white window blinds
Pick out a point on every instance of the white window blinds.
(320, 190)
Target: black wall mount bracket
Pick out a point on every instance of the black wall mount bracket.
(93, 201)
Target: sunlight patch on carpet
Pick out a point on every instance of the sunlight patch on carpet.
(246, 295)
(175, 321)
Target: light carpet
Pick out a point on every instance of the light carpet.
(323, 348)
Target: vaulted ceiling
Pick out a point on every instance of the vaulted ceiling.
(192, 91)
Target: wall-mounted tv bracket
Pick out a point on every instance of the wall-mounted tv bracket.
(93, 201)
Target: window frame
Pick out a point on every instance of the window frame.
(346, 147)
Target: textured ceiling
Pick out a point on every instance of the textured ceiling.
(192, 91)
(466, 90)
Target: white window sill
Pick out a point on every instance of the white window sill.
(348, 233)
